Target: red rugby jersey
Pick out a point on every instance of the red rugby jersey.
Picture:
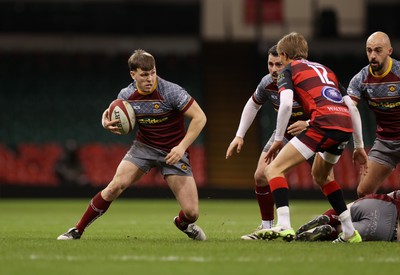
(317, 89)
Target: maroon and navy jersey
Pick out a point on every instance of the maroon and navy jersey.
(382, 94)
(317, 89)
(159, 114)
(267, 90)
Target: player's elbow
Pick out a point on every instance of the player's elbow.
(203, 120)
(285, 108)
(288, 108)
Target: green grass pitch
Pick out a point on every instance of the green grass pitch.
(138, 237)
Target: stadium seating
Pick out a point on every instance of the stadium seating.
(30, 164)
(35, 164)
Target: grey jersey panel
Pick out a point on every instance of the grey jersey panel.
(374, 219)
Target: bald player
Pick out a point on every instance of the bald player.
(379, 84)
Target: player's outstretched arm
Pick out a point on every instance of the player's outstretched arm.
(359, 155)
(248, 115)
(237, 143)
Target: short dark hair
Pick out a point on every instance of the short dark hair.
(273, 50)
(141, 59)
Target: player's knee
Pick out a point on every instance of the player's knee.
(259, 179)
(115, 188)
(268, 172)
(361, 192)
(365, 188)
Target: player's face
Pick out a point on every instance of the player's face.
(274, 66)
(145, 80)
(284, 58)
(378, 56)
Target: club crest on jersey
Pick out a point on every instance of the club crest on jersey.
(157, 108)
(392, 88)
(332, 94)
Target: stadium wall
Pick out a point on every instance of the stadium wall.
(59, 71)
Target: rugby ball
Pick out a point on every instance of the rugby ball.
(121, 109)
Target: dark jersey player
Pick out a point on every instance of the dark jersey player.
(161, 108)
(333, 117)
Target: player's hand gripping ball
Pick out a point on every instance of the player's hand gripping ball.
(121, 109)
